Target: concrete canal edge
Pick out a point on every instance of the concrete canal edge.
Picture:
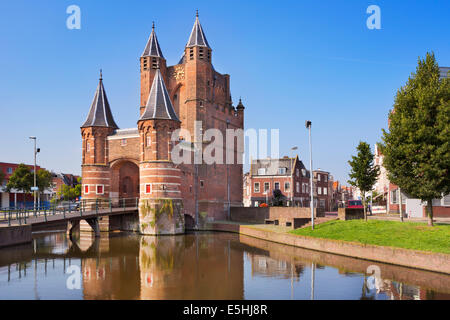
(437, 262)
(10, 236)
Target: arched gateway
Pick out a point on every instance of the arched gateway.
(136, 162)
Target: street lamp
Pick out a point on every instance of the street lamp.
(308, 126)
(34, 174)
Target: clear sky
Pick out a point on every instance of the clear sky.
(288, 60)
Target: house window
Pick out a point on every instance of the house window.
(297, 172)
(100, 189)
(88, 147)
(266, 186)
(319, 190)
(202, 183)
(9, 170)
(191, 53)
(281, 170)
(287, 186)
(318, 177)
(322, 203)
(149, 141)
(325, 178)
(325, 191)
(277, 185)
(86, 189)
(123, 142)
(394, 197)
(446, 200)
(261, 171)
(304, 172)
(148, 188)
(256, 187)
(304, 187)
(297, 187)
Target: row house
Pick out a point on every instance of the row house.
(322, 189)
(60, 179)
(288, 175)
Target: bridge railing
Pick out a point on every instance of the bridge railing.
(22, 215)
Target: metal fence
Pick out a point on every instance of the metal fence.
(22, 215)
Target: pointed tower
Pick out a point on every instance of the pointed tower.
(98, 125)
(151, 58)
(160, 196)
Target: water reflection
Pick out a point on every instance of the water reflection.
(200, 266)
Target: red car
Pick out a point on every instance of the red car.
(355, 204)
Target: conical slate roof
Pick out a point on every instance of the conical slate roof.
(152, 48)
(197, 37)
(159, 105)
(100, 113)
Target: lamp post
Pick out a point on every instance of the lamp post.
(308, 126)
(34, 174)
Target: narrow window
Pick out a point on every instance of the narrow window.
(277, 186)
(148, 188)
(287, 186)
(88, 147)
(202, 183)
(86, 189)
(297, 187)
(266, 186)
(256, 187)
(100, 189)
(123, 142)
(149, 141)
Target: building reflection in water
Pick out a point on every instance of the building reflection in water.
(200, 266)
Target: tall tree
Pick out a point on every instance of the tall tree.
(44, 180)
(417, 146)
(21, 179)
(363, 173)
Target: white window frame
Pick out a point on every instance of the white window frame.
(103, 189)
(149, 141)
(261, 171)
(88, 146)
(256, 190)
(289, 186)
(84, 189)
(281, 170)
(275, 183)
(9, 170)
(268, 186)
(202, 183)
(325, 191)
(145, 188)
(319, 190)
(297, 187)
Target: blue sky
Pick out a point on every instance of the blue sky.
(289, 60)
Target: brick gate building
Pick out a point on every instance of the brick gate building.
(115, 162)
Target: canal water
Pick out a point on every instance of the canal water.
(202, 265)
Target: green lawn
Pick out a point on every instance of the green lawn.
(409, 235)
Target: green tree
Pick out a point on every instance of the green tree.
(364, 173)
(2, 177)
(44, 180)
(417, 146)
(21, 179)
(70, 193)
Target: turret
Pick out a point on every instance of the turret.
(94, 131)
(151, 59)
(160, 195)
(197, 47)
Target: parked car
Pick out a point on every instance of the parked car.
(353, 204)
(68, 205)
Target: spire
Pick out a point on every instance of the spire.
(100, 113)
(158, 103)
(197, 37)
(152, 48)
(240, 105)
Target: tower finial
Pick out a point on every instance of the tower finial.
(153, 25)
(196, 13)
(101, 76)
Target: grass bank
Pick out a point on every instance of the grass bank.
(408, 235)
